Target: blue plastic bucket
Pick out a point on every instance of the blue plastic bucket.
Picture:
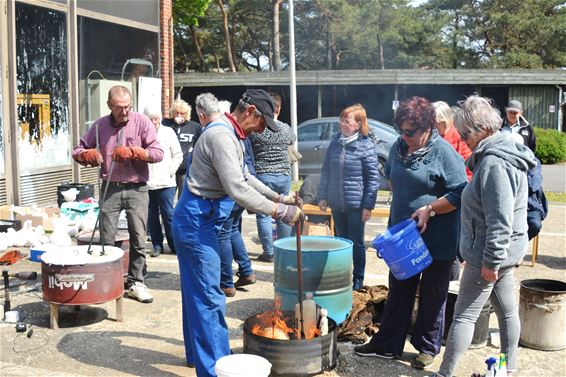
(403, 249)
(327, 273)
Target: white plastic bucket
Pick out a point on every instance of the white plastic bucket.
(242, 365)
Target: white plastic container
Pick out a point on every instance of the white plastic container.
(310, 316)
(12, 316)
(242, 365)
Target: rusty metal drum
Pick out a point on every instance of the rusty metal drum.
(72, 276)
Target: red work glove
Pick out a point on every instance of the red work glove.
(90, 157)
(140, 154)
(288, 214)
(122, 154)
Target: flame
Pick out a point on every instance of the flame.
(272, 324)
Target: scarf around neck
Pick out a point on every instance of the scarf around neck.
(345, 140)
(418, 155)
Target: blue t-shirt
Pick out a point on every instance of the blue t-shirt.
(440, 173)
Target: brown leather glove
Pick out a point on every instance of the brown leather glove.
(90, 157)
(122, 154)
(288, 214)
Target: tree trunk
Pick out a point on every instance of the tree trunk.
(380, 48)
(227, 35)
(276, 36)
(198, 48)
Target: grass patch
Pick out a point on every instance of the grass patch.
(556, 197)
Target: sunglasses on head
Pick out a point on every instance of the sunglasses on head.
(409, 132)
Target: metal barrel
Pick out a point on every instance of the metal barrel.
(327, 273)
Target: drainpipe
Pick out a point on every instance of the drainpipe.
(560, 115)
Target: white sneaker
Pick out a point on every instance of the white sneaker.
(140, 292)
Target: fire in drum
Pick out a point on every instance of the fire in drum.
(72, 276)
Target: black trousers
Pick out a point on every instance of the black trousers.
(429, 325)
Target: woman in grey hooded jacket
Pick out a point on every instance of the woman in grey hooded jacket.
(493, 235)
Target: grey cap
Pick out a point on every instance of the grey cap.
(514, 105)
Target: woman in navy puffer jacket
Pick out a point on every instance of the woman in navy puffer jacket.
(349, 182)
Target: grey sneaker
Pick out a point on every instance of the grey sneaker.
(422, 361)
(140, 292)
(369, 350)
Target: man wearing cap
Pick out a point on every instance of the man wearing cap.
(515, 122)
(273, 168)
(217, 178)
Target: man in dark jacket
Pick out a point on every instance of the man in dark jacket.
(185, 130)
(515, 122)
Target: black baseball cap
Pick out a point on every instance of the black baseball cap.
(264, 104)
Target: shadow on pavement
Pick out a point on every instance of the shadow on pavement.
(165, 281)
(114, 350)
(37, 314)
(550, 261)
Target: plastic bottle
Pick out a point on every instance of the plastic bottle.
(323, 322)
(502, 370)
(491, 364)
(310, 317)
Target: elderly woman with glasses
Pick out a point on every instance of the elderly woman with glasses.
(349, 182)
(494, 230)
(426, 176)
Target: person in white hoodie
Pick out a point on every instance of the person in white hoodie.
(162, 184)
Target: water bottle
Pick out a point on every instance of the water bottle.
(310, 317)
(323, 322)
(502, 370)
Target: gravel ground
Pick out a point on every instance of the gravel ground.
(150, 343)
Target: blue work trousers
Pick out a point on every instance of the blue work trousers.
(161, 202)
(281, 184)
(232, 247)
(349, 225)
(196, 225)
(429, 325)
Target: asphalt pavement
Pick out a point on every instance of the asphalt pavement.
(554, 177)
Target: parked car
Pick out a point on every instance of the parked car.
(314, 137)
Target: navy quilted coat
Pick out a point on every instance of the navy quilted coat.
(349, 177)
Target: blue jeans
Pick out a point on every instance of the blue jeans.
(349, 225)
(197, 222)
(161, 201)
(474, 293)
(232, 247)
(281, 184)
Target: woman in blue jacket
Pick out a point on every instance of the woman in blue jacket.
(349, 183)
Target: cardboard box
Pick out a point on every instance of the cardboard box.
(7, 212)
(37, 216)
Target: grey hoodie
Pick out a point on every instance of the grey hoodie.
(493, 231)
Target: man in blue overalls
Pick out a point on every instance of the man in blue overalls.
(216, 178)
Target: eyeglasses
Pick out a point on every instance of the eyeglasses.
(409, 132)
(121, 108)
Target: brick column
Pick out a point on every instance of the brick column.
(166, 54)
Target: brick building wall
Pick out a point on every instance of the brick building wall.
(166, 54)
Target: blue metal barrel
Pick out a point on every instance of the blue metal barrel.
(327, 273)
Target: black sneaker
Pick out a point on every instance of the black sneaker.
(265, 258)
(369, 350)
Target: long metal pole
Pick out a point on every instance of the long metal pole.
(300, 274)
(293, 84)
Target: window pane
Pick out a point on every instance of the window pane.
(105, 62)
(42, 88)
(311, 132)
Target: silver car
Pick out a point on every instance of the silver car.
(314, 137)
